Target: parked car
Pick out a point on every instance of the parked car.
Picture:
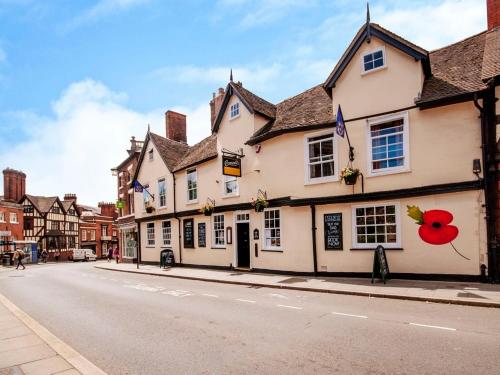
(83, 255)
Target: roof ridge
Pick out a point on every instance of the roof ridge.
(460, 41)
(300, 93)
(251, 92)
(168, 139)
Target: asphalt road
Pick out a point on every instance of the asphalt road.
(140, 324)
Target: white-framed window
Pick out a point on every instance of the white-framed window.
(166, 229)
(145, 195)
(84, 235)
(192, 185)
(373, 60)
(231, 185)
(218, 230)
(235, 110)
(272, 229)
(162, 192)
(2, 217)
(150, 234)
(13, 218)
(388, 144)
(321, 156)
(150, 155)
(92, 235)
(376, 224)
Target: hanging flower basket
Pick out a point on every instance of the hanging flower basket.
(207, 210)
(349, 175)
(150, 209)
(259, 204)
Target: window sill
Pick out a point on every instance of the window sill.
(321, 181)
(272, 250)
(230, 196)
(191, 202)
(388, 172)
(234, 118)
(365, 72)
(218, 248)
(373, 248)
(150, 246)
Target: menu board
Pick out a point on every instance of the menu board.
(188, 233)
(202, 235)
(380, 265)
(333, 231)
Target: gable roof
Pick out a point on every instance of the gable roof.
(252, 102)
(169, 150)
(457, 70)
(491, 58)
(67, 205)
(308, 110)
(367, 31)
(199, 153)
(44, 204)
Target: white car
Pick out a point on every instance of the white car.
(83, 255)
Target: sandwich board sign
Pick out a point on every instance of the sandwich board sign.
(380, 265)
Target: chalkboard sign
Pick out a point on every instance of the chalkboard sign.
(333, 231)
(380, 264)
(202, 235)
(255, 234)
(188, 233)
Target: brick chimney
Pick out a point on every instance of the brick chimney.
(14, 185)
(215, 104)
(70, 197)
(108, 209)
(175, 124)
(493, 12)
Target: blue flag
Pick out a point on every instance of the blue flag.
(138, 187)
(340, 127)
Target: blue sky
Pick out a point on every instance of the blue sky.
(83, 76)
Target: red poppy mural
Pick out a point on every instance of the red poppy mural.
(435, 226)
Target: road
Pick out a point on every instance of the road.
(139, 324)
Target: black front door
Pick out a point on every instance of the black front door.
(243, 232)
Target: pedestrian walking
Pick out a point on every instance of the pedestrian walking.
(110, 254)
(116, 253)
(45, 255)
(19, 256)
(57, 254)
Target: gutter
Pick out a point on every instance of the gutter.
(178, 224)
(313, 231)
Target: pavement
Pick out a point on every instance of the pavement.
(28, 348)
(459, 293)
(128, 323)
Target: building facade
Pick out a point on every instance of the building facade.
(126, 226)
(11, 212)
(52, 223)
(421, 133)
(98, 230)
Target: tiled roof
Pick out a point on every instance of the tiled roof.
(202, 151)
(42, 204)
(491, 56)
(310, 108)
(258, 104)
(169, 150)
(456, 70)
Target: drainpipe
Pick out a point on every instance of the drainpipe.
(488, 145)
(178, 224)
(313, 231)
(138, 244)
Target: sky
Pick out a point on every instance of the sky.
(79, 78)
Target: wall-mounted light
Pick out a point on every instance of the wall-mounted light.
(476, 167)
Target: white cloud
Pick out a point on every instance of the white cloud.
(260, 77)
(102, 9)
(73, 150)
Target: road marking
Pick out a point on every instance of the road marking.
(177, 293)
(210, 295)
(245, 300)
(351, 315)
(142, 287)
(428, 326)
(277, 295)
(290, 307)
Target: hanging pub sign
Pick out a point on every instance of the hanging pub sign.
(333, 231)
(231, 166)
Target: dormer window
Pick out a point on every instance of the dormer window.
(150, 154)
(374, 60)
(235, 110)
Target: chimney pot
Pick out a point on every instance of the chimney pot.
(215, 105)
(14, 185)
(493, 13)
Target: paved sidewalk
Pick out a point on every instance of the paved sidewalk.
(461, 293)
(28, 348)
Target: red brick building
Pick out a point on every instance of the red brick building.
(11, 212)
(98, 228)
(126, 225)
